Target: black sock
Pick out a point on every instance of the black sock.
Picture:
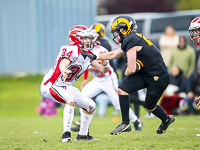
(160, 113)
(137, 110)
(124, 105)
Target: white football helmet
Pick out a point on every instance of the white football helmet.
(194, 30)
(77, 35)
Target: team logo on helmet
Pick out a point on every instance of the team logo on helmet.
(122, 26)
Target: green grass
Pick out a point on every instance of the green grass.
(23, 129)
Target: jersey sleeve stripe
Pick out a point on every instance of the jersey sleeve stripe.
(55, 75)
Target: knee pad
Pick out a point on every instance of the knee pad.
(91, 107)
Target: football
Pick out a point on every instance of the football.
(138, 66)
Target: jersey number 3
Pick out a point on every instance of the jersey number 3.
(75, 70)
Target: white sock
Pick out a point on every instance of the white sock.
(68, 116)
(85, 122)
(132, 115)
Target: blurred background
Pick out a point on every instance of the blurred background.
(31, 34)
(32, 31)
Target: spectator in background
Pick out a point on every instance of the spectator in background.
(103, 101)
(194, 90)
(175, 92)
(167, 43)
(47, 107)
(184, 57)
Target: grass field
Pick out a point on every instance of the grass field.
(23, 129)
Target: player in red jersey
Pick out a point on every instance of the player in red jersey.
(194, 31)
(57, 84)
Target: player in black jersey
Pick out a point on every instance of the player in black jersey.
(153, 74)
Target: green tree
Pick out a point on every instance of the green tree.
(188, 5)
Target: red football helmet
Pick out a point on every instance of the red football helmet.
(194, 30)
(77, 33)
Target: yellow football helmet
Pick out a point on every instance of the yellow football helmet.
(122, 25)
(99, 28)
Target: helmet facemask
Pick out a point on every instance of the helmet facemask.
(121, 31)
(86, 40)
(194, 30)
(195, 35)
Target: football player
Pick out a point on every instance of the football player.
(72, 60)
(194, 31)
(153, 74)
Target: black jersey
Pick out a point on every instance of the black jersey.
(149, 56)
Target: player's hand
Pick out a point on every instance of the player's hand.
(196, 99)
(65, 75)
(102, 62)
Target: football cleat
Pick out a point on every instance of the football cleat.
(163, 126)
(121, 128)
(85, 137)
(66, 137)
(138, 125)
(91, 137)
